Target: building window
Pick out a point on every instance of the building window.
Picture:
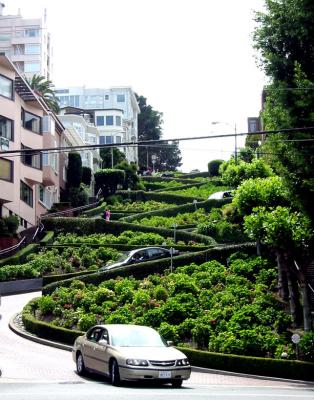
(118, 120)
(109, 139)
(31, 122)
(109, 119)
(31, 32)
(5, 37)
(41, 193)
(32, 49)
(32, 67)
(102, 140)
(100, 121)
(32, 159)
(106, 96)
(6, 170)
(120, 98)
(6, 128)
(6, 87)
(26, 194)
(118, 139)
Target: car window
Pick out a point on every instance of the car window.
(104, 335)
(95, 334)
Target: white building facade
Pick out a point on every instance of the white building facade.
(114, 111)
(27, 43)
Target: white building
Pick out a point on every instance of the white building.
(27, 43)
(114, 111)
(79, 132)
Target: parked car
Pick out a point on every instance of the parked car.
(221, 195)
(139, 255)
(128, 353)
(167, 174)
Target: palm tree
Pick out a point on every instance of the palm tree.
(44, 88)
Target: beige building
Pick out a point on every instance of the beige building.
(29, 181)
(27, 43)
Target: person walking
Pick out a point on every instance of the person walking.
(107, 215)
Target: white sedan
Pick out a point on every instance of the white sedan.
(130, 352)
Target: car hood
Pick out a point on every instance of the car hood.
(151, 353)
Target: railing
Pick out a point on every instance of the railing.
(39, 229)
(77, 210)
(11, 250)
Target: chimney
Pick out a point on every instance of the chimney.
(1, 8)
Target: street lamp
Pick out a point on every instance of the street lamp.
(154, 158)
(235, 137)
(195, 204)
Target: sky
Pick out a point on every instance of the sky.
(192, 59)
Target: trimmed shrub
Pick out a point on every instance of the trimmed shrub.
(213, 167)
(47, 239)
(86, 176)
(20, 256)
(251, 365)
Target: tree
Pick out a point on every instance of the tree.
(44, 88)
(111, 157)
(233, 174)
(75, 171)
(168, 155)
(213, 167)
(86, 176)
(289, 234)
(285, 41)
(108, 180)
(131, 179)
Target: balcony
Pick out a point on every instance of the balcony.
(7, 192)
(32, 175)
(49, 176)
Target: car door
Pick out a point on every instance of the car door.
(101, 353)
(89, 348)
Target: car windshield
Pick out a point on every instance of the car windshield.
(136, 337)
(120, 259)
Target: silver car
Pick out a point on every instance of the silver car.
(130, 353)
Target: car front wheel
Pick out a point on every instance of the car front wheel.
(177, 383)
(80, 366)
(115, 374)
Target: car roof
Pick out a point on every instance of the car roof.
(147, 248)
(124, 326)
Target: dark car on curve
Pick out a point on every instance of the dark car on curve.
(139, 255)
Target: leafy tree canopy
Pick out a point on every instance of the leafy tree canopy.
(168, 155)
(109, 155)
(44, 88)
(285, 42)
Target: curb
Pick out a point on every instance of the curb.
(26, 335)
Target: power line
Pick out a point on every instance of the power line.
(156, 141)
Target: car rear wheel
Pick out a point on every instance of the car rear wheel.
(80, 366)
(115, 374)
(177, 383)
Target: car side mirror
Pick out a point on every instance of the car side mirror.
(103, 342)
(169, 343)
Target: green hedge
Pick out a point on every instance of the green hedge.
(173, 211)
(88, 226)
(47, 239)
(192, 175)
(155, 179)
(289, 369)
(46, 330)
(127, 247)
(140, 195)
(176, 188)
(47, 279)
(20, 256)
(96, 211)
(142, 270)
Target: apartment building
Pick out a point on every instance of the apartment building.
(27, 43)
(29, 181)
(114, 111)
(79, 132)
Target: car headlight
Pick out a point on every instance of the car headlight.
(136, 362)
(182, 363)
